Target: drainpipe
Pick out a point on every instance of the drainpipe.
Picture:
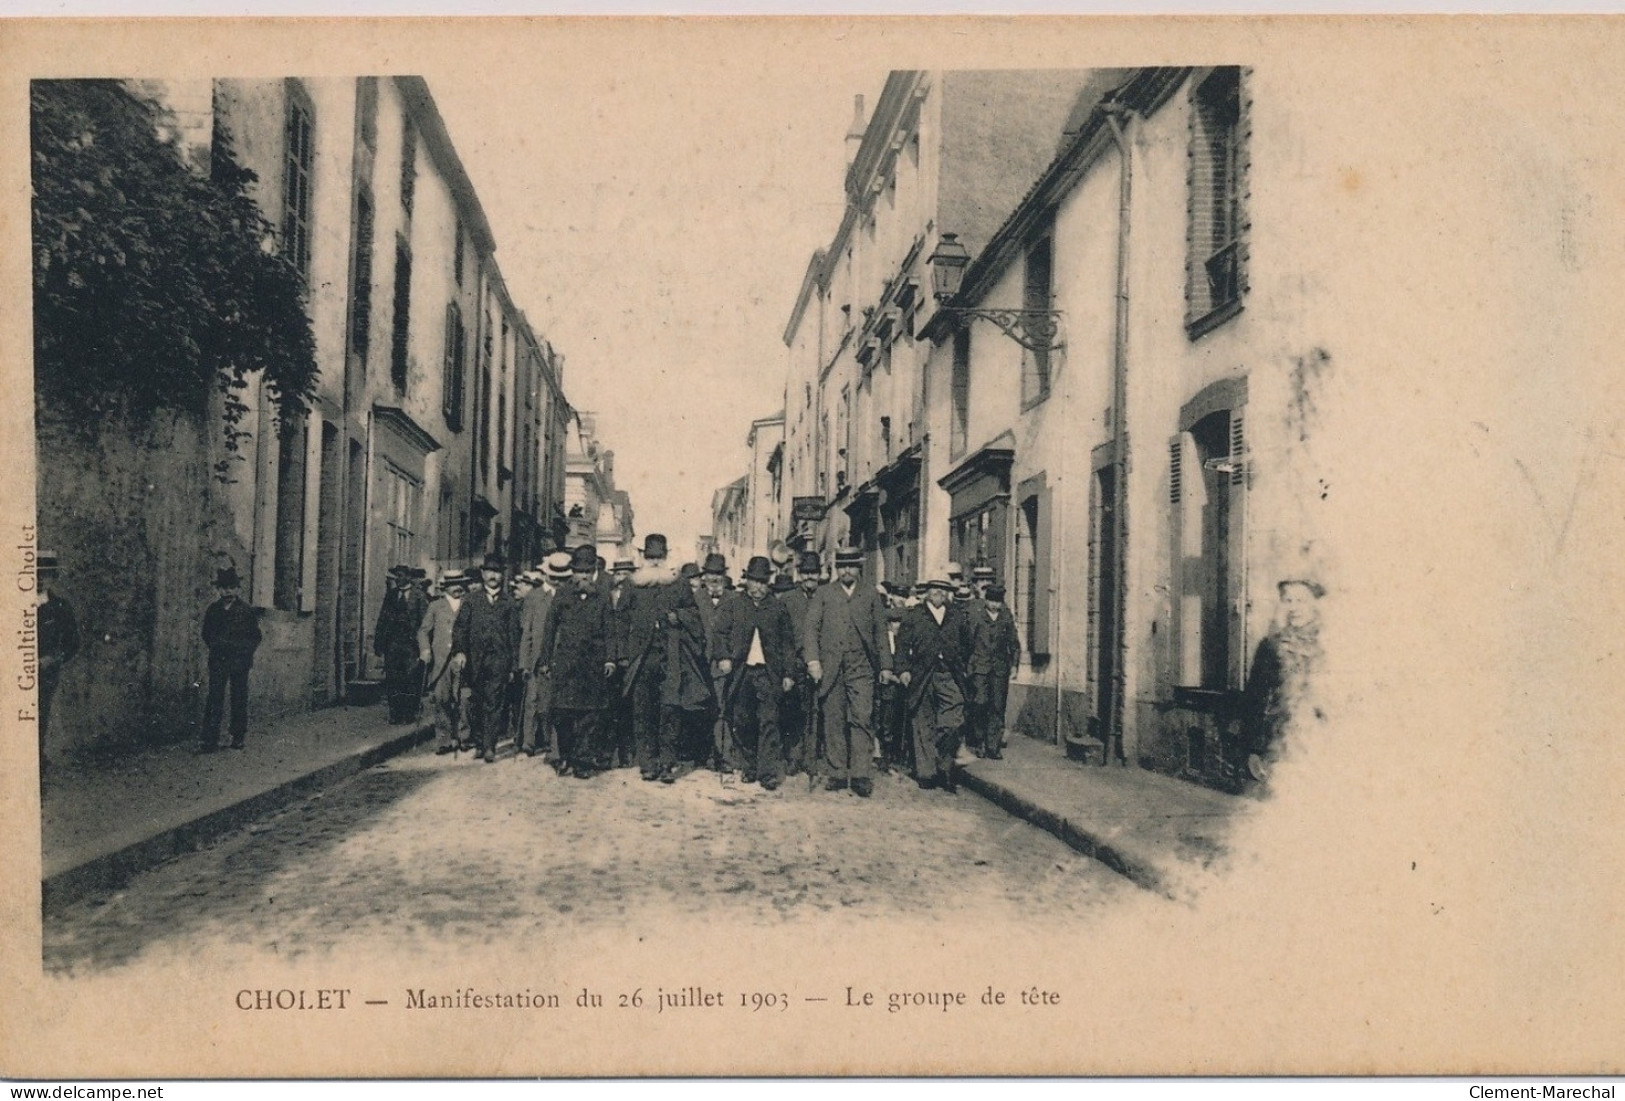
(1120, 118)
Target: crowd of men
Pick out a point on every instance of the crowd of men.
(595, 666)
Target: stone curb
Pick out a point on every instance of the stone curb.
(1082, 836)
(113, 870)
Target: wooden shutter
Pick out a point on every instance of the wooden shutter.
(1091, 646)
(1236, 583)
(1176, 557)
(1040, 642)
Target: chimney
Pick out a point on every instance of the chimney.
(854, 133)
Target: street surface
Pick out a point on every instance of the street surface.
(428, 852)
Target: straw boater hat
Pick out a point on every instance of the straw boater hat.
(557, 565)
(624, 565)
(982, 572)
(848, 556)
(453, 577)
(938, 583)
(45, 564)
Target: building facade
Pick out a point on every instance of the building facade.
(434, 434)
(941, 151)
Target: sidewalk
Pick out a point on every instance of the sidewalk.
(1152, 828)
(105, 820)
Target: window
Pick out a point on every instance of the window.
(401, 492)
(290, 518)
(959, 423)
(1207, 495)
(399, 343)
(409, 164)
(361, 298)
(1216, 254)
(366, 111)
(299, 156)
(1035, 295)
(502, 404)
(457, 252)
(1033, 565)
(482, 412)
(456, 361)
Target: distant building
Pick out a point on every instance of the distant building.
(596, 512)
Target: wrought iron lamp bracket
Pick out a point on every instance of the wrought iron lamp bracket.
(1034, 330)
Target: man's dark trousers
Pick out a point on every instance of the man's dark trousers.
(220, 674)
(756, 724)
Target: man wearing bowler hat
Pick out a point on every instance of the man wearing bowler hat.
(641, 660)
(715, 604)
(576, 655)
(844, 642)
(231, 631)
(800, 734)
(759, 660)
(395, 640)
(932, 646)
(994, 652)
(485, 649)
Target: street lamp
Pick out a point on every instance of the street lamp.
(1034, 330)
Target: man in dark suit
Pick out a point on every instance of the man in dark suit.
(800, 712)
(932, 646)
(618, 715)
(759, 661)
(843, 640)
(641, 660)
(715, 601)
(576, 655)
(485, 649)
(994, 652)
(395, 640)
(231, 631)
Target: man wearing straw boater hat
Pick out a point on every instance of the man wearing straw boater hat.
(844, 642)
(535, 728)
(231, 631)
(57, 637)
(434, 651)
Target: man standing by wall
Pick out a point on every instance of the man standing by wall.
(932, 646)
(58, 637)
(843, 640)
(231, 631)
(994, 652)
(434, 651)
(759, 661)
(395, 640)
(485, 648)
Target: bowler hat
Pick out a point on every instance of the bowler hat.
(583, 559)
(849, 556)
(759, 569)
(227, 578)
(688, 572)
(783, 584)
(493, 561)
(716, 563)
(995, 592)
(400, 572)
(810, 563)
(654, 545)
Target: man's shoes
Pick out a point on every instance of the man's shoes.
(747, 778)
(995, 755)
(949, 784)
(834, 784)
(863, 787)
(668, 775)
(209, 747)
(650, 776)
(442, 750)
(490, 756)
(770, 785)
(925, 783)
(238, 744)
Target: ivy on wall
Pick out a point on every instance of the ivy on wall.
(154, 281)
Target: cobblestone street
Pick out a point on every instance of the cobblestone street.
(428, 852)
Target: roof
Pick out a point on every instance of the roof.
(415, 91)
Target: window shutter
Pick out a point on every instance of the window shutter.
(1091, 647)
(1236, 583)
(1040, 641)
